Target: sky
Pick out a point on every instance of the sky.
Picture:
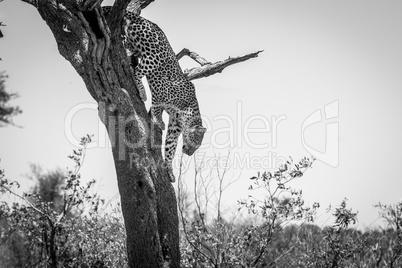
(328, 83)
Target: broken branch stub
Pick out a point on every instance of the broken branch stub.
(186, 52)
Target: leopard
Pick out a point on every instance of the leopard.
(171, 90)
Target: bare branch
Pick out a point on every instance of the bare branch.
(25, 200)
(217, 67)
(181, 206)
(221, 177)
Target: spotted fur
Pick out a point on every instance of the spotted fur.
(171, 90)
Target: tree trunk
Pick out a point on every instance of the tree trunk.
(93, 46)
(147, 197)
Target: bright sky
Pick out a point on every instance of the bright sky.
(343, 55)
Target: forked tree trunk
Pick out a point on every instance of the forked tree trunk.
(147, 196)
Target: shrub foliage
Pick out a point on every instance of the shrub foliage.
(63, 223)
(59, 224)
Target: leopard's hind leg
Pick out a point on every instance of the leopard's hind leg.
(172, 137)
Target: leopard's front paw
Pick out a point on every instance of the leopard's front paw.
(141, 89)
(160, 124)
(171, 175)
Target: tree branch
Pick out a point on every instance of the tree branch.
(26, 200)
(208, 68)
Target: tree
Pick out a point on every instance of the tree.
(6, 111)
(147, 197)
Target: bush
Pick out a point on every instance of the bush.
(59, 224)
(280, 231)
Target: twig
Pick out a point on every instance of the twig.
(26, 200)
(183, 221)
(221, 177)
(197, 201)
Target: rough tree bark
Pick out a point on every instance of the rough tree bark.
(147, 196)
(95, 50)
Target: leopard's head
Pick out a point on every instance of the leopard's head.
(192, 139)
